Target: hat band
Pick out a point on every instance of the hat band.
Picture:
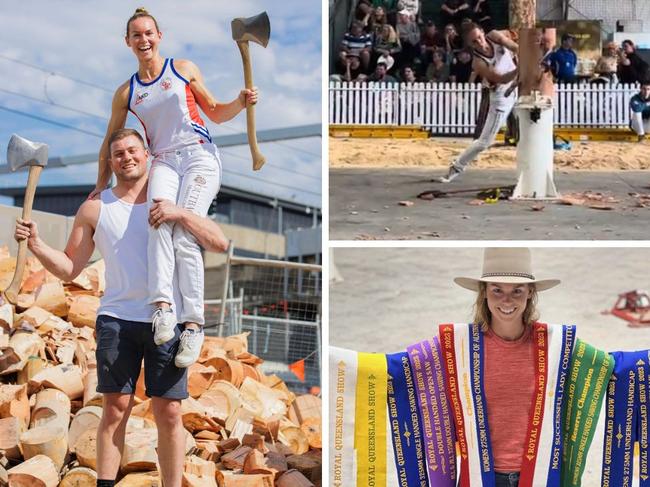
(508, 274)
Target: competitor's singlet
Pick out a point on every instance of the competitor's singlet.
(167, 110)
(501, 61)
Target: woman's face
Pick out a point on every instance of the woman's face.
(385, 32)
(143, 38)
(437, 57)
(380, 12)
(507, 302)
(450, 30)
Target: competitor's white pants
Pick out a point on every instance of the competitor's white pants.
(640, 126)
(190, 177)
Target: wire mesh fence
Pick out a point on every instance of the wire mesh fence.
(279, 304)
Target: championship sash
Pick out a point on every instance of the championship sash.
(463, 350)
(626, 421)
(590, 373)
(437, 425)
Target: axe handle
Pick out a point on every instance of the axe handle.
(11, 293)
(258, 158)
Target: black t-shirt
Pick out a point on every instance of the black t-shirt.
(461, 71)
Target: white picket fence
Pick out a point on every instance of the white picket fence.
(451, 108)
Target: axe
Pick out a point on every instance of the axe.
(256, 29)
(24, 153)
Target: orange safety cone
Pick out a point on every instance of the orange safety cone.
(298, 368)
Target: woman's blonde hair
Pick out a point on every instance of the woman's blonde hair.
(392, 35)
(483, 315)
(140, 12)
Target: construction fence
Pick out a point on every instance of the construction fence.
(279, 304)
(452, 108)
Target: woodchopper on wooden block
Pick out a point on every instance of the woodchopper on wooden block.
(24, 153)
(256, 29)
(534, 107)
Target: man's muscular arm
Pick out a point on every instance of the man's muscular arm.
(67, 264)
(484, 71)
(501, 38)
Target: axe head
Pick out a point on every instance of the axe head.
(24, 153)
(256, 29)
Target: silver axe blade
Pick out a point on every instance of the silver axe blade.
(24, 153)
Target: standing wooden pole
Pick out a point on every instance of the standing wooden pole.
(522, 14)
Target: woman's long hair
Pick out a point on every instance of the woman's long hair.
(483, 315)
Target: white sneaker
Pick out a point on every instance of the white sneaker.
(163, 325)
(189, 348)
(451, 175)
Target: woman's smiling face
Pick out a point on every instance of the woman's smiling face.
(507, 302)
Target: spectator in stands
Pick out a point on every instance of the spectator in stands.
(453, 42)
(430, 41)
(607, 64)
(355, 41)
(438, 70)
(563, 60)
(381, 74)
(387, 46)
(482, 14)
(409, 37)
(461, 69)
(390, 7)
(640, 111)
(413, 6)
(631, 68)
(376, 22)
(407, 75)
(353, 71)
(453, 11)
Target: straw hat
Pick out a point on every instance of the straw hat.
(512, 265)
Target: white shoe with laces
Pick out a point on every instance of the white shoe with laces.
(189, 348)
(163, 325)
(451, 175)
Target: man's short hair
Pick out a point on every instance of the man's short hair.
(123, 134)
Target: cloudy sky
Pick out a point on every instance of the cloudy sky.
(61, 61)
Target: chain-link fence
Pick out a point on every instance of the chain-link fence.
(279, 303)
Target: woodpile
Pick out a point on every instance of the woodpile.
(243, 428)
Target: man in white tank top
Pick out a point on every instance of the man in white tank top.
(116, 223)
(494, 63)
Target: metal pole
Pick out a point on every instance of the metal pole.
(224, 294)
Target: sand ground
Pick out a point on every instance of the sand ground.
(392, 297)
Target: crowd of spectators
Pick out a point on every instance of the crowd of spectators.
(390, 41)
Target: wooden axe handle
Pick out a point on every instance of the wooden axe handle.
(11, 293)
(258, 158)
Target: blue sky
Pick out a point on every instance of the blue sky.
(85, 41)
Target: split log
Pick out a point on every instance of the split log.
(65, 377)
(199, 379)
(199, 473)
(22, 345)
(293, 478)
(305, 407)
(236, 344)
(243, 414)
(51, 297)
(91, 397)
(212, 347)
(53, 324)
(310, 465)
(229, 479)
(79, 477)
(312, 429)
(24, 301)
(143, 410)
(139, 451)
(240, 430)
(86, 448)
(265, 401)
(207, 450)
(256, 441)
(85, 419)
(235, 459)
(256, 463)
(277, 461)
(277, 384)
(38, 471)
(51, 441)
(14, 403)
(228, 445)
(10, 430)
(145, 479)
(83, 311)
(65, 351)
(34, 281)
(51, 408)
(252, 372)
(6, 317)
(34, 316)
(222, 398)
(294, 438)
(32, 367)
(225, 369)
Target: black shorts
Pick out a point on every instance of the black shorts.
(121, 346)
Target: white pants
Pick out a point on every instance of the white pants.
(500, 108)
(190, 177)
(640, 126)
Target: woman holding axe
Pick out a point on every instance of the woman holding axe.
(186, 169)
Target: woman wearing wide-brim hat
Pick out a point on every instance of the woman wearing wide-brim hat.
(506, 309)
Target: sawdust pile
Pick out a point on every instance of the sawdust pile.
(439, 152)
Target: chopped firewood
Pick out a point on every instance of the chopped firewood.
(199, 379)
(51, 441)
(229, 479)
(312, 429)
(79, 477)
(86, 448)
(243, 414)
(65, 377)
(14, 403)
(256, 463)
(199, 473)
(256, 441)
(208, 450)
(34, 316)
(212, 347)
(51, 297)
(305, 407)
(309, 465)
(33, 282)
(251, 372)
(207, 435)
(6, 317)
(265, 401)
(24, 301)
(145, 479)
(222, 398)
(10, 430)
(228, 445)
(139, 450)
(51, 408)
(85, 419)
(249, 359)
(91, 397)
(236, 344)
(53, 324)
(32, 367)
(235, 459)
(293, 478)
(22, 345)
(38, 471)
(143, 410)
(65, 351)
(294, 438)
(241, 429)
(83, 311)
(277, 461)
(226, 369)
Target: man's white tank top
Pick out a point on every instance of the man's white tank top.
(121, 237)
(501, 62)
(167, 110)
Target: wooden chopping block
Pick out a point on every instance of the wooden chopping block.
(83, 311)
(10, 430)
(145, 479)
(79, 477)
(86, 448)
(294, 438)
(65, 377)
(86, 419)
(51, 297)
(51, 441)
(139, 451)
(38, 471)
(51, 408)
(14, 403)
